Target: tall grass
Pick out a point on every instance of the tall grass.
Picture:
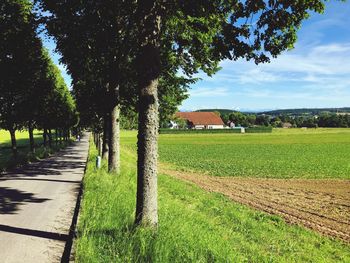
(194, 226)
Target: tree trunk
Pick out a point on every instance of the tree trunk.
(147, 144)
(45, 137)
(31, 137)
(56, 136)
(13, 142)
(50, 138)
(105, 147)
(100, 143)
(114, 140)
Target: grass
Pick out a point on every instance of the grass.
(24, 154)
(195, 226)
(285, 153)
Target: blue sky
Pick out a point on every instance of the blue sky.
(314, 74)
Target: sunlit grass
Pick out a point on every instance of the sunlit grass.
(21, 136)
(24, 154)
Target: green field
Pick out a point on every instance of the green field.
(22, 138)
(24, 155)
(194, 225)
(285, 153)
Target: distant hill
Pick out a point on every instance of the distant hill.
(222, 111)
(305, 111)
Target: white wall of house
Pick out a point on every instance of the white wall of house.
(199, 127)
(215, 126)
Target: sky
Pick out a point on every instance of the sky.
(315, 74)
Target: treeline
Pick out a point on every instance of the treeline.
(125, 57)
(33, 94)
(325, 119)
(306, 111)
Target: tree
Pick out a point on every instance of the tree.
(262, 120)
(182, 123)
(211, 31)
(144, 38)
(238, 118)
(21, 65)
(91, 37)
(33, 93)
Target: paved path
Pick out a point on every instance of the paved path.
(37, 205)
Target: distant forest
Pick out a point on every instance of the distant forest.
(294, 112)
(311, 118)
(315, 111)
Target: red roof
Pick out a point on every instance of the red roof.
(200, 118)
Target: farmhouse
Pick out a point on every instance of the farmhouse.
(201, 120)
(287, 125)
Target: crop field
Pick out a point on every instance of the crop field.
(308, 154)
(321, 205)
(300, 175)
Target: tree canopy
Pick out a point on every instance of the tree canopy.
(131, 52)
(32, 91)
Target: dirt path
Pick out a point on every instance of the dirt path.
(321, 205)
(37, 204)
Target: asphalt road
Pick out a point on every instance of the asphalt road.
(37, 205)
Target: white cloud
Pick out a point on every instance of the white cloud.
(323, 64)
(209, 92)
(320, 74)
(256, 76)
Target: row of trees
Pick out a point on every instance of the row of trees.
(33, 94)
(127, 55)
(325, 119)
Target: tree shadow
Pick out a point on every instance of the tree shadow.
(11, 199)
(7, 161)
(38, 179)
(46, 167)
(35, 233)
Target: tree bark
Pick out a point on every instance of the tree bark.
(50, 138)
(100, 144)
(13, 142)
(114, 140)
(147, 144)
(45, 137)
(105, 147)
(31, 137)
(94, 135)
(56, 136)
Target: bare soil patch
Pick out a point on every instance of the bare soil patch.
(321, 205)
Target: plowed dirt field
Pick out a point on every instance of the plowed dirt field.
(321, 205)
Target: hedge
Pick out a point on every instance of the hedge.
(247, 130)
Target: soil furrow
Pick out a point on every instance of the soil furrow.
(321, 205)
